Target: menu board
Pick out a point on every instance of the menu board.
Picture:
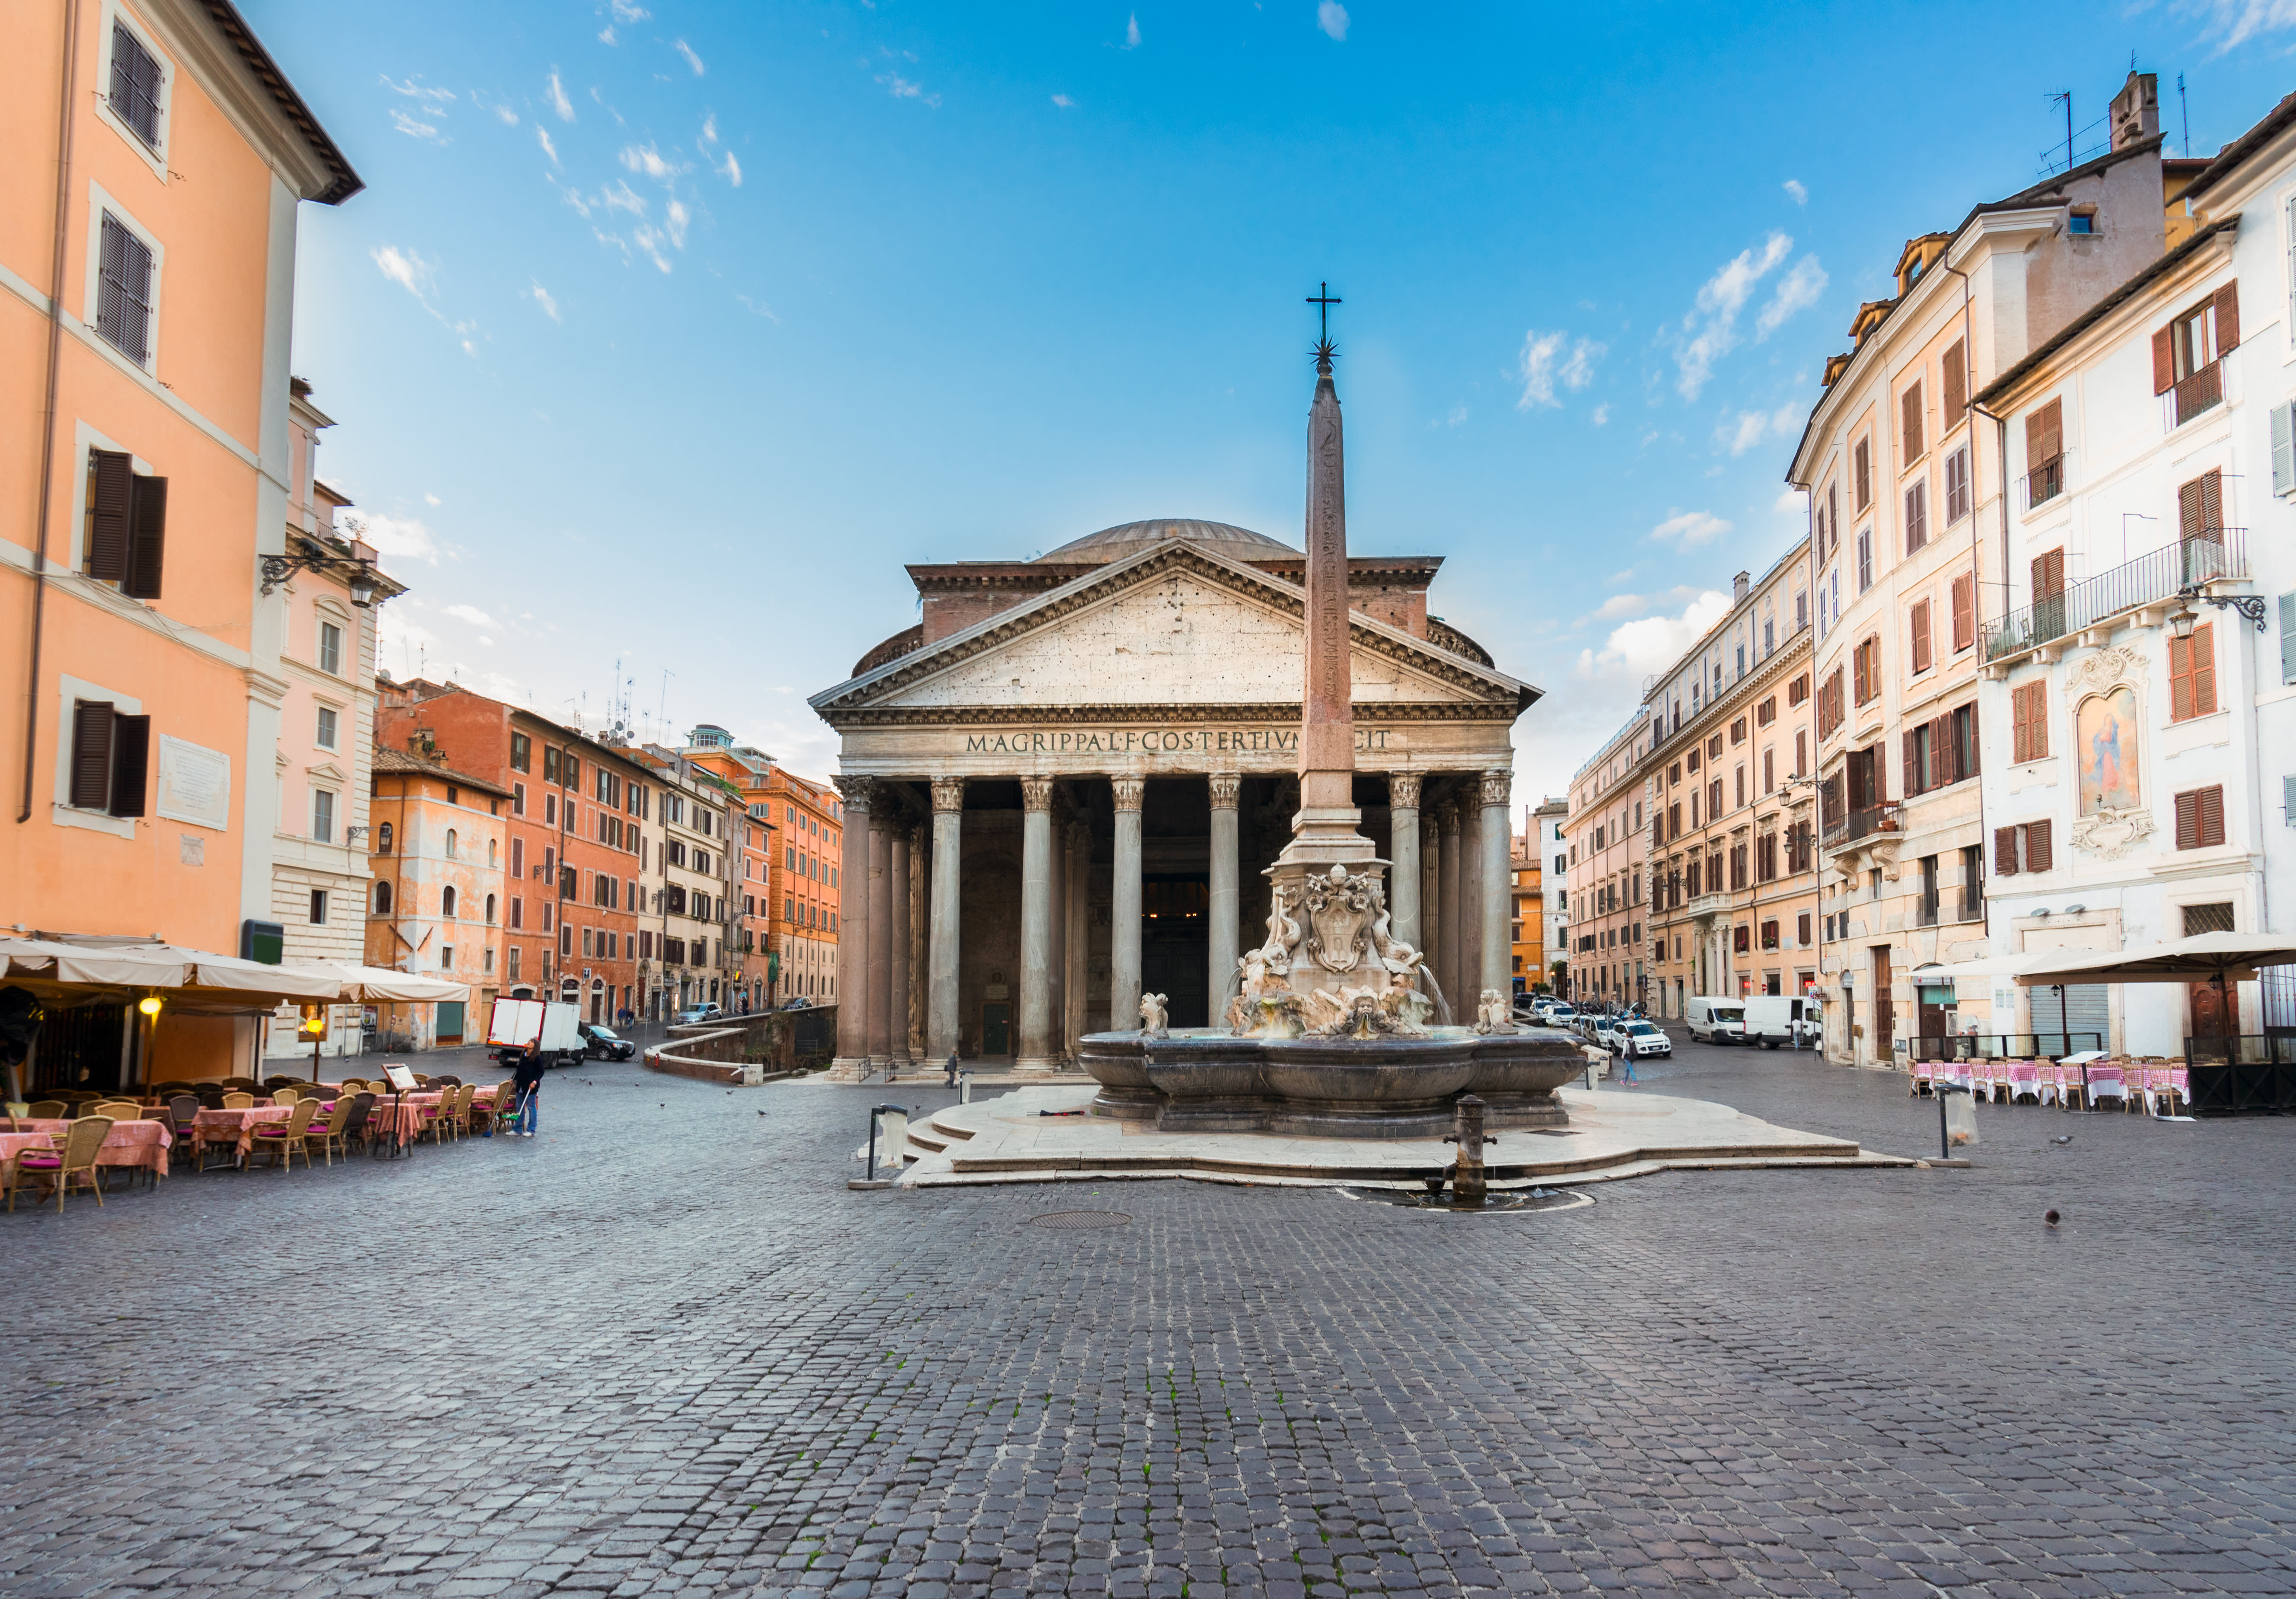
(401, 1078)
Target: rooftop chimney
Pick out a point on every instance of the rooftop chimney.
(1738, 587)
(2136, 109)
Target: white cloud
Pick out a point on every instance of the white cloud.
(1332, 17)
(414, 127)
(675, 218)
(1713, 325)
(1456, 415)
(541, 297)
(606, 35)
(1550, 361)
(406, 268)
(691, 60)
(901, 88)
(730, 170)
(1798, 290)
(505, 115)
(1793, 503)
(558, 100)
(1615, 578)
(624, 12)
(472, 615)
(414, 91)
(723, 164)
(1752, 427)
(1622, 605)
(622, 197)
(1601, 414)
(542, 137)
(1690, 529)
(403, 537)
(431, 499)
(1797, 190)
(1132, 31)
(759, 308)
(646, 159)
(1638, 648)
(1065, 103)
(2233, 23)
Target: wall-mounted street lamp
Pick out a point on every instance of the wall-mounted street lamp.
(278, 569)
(2183, 617)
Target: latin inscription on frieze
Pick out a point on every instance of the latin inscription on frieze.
(1156, 740)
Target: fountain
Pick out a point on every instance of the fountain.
(1329, 1031)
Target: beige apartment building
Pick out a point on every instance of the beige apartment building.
(1905, 479)
(1606, 829)
(1732, 837)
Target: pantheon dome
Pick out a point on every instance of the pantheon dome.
(1129, 539)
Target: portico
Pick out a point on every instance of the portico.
(1088, 761)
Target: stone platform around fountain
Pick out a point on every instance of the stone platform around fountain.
(1611, 1135)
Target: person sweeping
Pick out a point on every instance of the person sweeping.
(526, 1087)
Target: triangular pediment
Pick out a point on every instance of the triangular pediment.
(1175, 626)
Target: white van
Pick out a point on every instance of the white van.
(1775, 1019)
(1717, 1021)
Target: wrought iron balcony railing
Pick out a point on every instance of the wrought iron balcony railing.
(1862, 824)
(2210, 555)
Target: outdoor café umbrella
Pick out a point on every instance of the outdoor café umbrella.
(2217, 957)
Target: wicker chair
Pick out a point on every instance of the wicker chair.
(462, 1098)
(46, 1110)
(238, 1102)
(355, 1127)
(328, 1131)
(437, 1121)
(284, 1140)
(77, 1158)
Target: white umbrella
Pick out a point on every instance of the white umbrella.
(2220, 957)
(371, 984)
(125, 965)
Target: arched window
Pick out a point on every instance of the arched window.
(490, 853)
(490, 910)
(450, 843)
(382, 840)
(382, 890)
(449, 902)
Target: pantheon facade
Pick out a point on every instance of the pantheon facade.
(1065, 783)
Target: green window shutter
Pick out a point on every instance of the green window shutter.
(2288, 799)
(2288, 638)
(2284, 450)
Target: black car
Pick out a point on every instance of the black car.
(604, 1044)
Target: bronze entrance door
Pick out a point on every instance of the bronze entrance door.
(996, 1028)
(1176, 945)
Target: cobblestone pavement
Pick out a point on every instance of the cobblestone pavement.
(661, 1349)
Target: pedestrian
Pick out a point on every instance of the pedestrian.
(526, 1084)
(951, 1069)
(1626, 1048)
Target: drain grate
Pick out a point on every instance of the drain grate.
(1072, 1221)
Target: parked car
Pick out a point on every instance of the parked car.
(797, 1002)
(1555, 1012)
(1632, 1035)
(1716, 1020)
(1775, 1019)
(604, 1044)
(699, 1012)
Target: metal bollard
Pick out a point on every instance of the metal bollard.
(897, 1134)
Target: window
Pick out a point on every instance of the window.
(445, 957)
(565, 942)
(1766, 711)
(2081, 222)
(2029, 721)
(2192, 675)
(2024, 847)
(2186, 353)
(453, 844)
(1917, 517)
(1830, 711)
(383, 899)
(1865, 558)
(522, 755)
(1956, 486)
(323, 816)
(383, 839)
(136, 82)
(1738, 731)
(330, 649)
(2048, 594)
(123, 289)
(1964, 613)
(1919, 639)
(518, 798)
(326, 727)
(1909, 423)
(1798, 689)
(518, 857)
(447, 902)
(518, 910)
(1861, 474)
(2045, 454)
(2200, 818)
(1957, 387)
(319, 907)
(1769, 772)
(1801, 753)
(1865, 662)
(127, 530)
(2283, 447)
(2199, 508)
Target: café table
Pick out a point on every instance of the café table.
(129, 1144)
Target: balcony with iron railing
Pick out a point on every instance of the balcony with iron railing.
(1860, 824)
(2211, 555)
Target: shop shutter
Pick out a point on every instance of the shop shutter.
(2038, 856)
(2086, 1008)
(112, 493)
(147, 545)
(2164, 361)
(131, 764)
(90, 754)
(2227, 319)
(2005, 852)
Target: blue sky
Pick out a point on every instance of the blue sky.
(666, 333)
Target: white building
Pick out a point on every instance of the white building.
(2139, 706)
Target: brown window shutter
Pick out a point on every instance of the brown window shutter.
(131, 764)
(2180, 678)
(1963, 614)
(112, 492)
(2005, 852)
(2202, 662)
(2037, 856)
(2211, 502)
(1976, 746)
(2188, 509)
(1921, 636)
(2227, 318)
(2164, 362)
(2188, 821)
(90, 754)
(1956, 385)
(1942, 756)
(2211, 816)
(1909, 411)
(2020, 746)
(1912, 766)
(147, 538)
(2048, 575)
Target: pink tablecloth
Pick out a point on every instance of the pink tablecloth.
(129, 1144)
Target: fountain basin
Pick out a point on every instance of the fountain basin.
(1207, 1080)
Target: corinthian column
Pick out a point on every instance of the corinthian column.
(947, 902)
(880, 941)
(1431, 896)
(1403, 873)
(1453, 943)
(852, 1062)
(1226, 908)
(1035, 1051)
(896, 975)
(1498, 887)
(1124, 908)
(1076, 946)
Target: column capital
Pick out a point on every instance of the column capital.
(1403, 790)
(1498, 787)
(949, 793)
(857, 790)
(1448, 814)
(1128, 791)
(1431, 827)
(1224, 786)
(1037, 793)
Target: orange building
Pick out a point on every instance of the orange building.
(440, 844)
(149, 244)
(748, 775)
(802, 886)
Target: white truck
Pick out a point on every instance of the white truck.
(537, 1026)
(1716, 1020)
(1775, 1019)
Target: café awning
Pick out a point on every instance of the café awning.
(2219, 957)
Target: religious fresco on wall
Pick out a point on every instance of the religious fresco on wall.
(2105, 739)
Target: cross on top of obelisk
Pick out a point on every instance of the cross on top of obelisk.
(1324, 299)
